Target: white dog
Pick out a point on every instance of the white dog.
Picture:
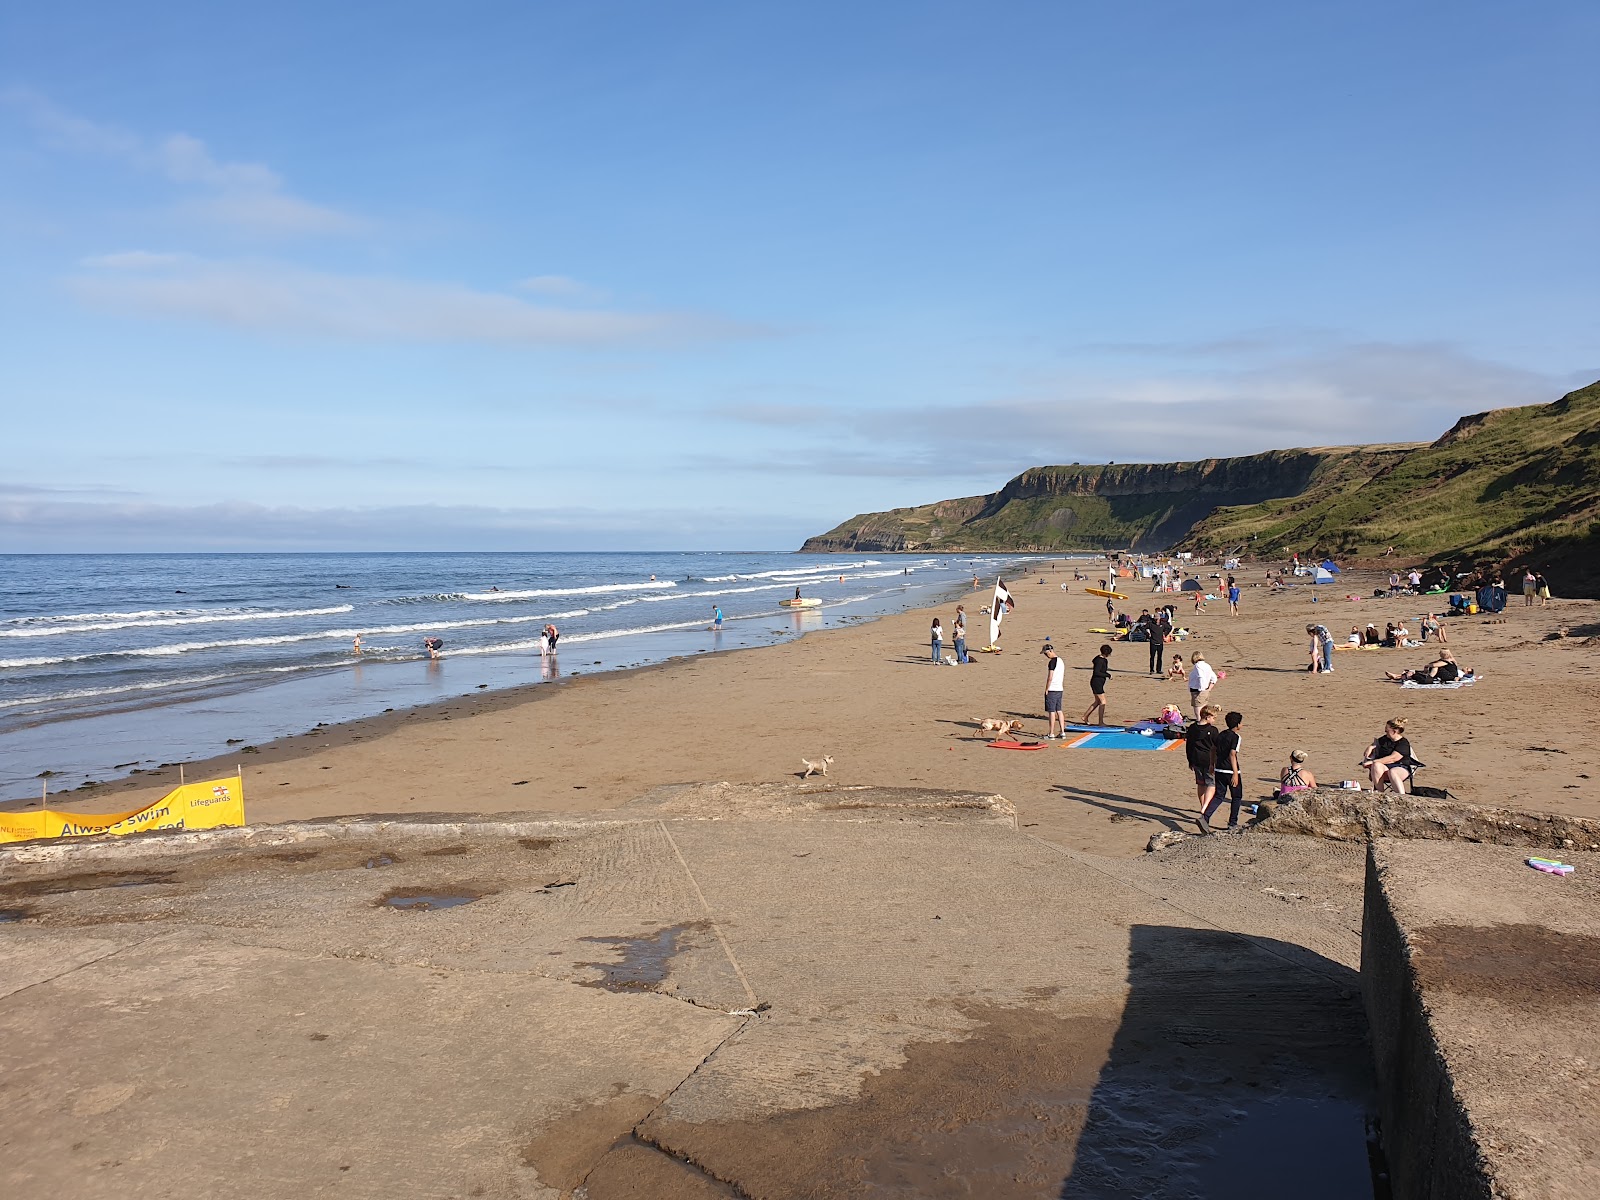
(819, 767)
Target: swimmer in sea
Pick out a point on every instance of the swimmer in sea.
(355, 646)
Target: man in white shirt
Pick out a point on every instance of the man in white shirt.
(1055, 682)
(1201, 680)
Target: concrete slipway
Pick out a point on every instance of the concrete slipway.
(717, 991)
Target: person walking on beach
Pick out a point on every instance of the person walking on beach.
(960, 634)
(1321, 649)
(937, 635)
(1229, 779)
(1111, 610)
(1100, 674)
(1543, 587)
(1201, 680)
(1055, 682)
(1200, 745)
(1530, 587)
(1233, 597)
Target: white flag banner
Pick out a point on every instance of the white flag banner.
(999, 606)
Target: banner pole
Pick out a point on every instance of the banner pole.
(180, 774)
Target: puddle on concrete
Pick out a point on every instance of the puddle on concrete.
(420, 900)
(1262, 1147)
(10, 915)
(85, 882)
(381, 860)
(644, 962)
(446, 852)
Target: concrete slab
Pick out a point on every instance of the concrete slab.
(189, 1065)
(718, 995)
(1482, 983)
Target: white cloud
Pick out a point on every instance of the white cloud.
(29, 524)
(1312, 396)
(249, 197)
(270, 296)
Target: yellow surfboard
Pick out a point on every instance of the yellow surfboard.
(1103, 592)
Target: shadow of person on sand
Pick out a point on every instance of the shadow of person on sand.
(1173, 818)
(1240, 1068)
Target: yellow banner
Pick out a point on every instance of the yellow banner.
(214, 804)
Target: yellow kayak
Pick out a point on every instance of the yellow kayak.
(1109, 595)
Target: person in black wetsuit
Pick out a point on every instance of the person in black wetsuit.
(1157, 627)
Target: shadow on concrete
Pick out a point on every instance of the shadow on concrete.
(1173, 818)
(1240, 1069)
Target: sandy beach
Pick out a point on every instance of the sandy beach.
(870, 697)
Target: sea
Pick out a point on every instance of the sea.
(118, 662)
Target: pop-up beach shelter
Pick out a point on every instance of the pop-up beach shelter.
(1323, 575)
(1193, 585)
(1330, 566)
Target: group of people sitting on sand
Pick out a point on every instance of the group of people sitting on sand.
(1388, 763)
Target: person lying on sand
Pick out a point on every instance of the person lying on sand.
(1443, 669)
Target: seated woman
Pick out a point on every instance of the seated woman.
(1443, 669)
(1295, 777)
(1388, 760)
(1389, 638)
(1372, 635)
(1355, 638)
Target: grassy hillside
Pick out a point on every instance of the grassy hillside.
(1510, 486)
(1505, 488)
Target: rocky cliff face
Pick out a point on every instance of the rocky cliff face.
(1143, 505)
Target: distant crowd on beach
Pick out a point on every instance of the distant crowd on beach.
(1213, 749)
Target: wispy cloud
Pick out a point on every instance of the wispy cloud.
(1334, 395)
(278, 297)
(245, 196)
(52, 525)
(561, 285)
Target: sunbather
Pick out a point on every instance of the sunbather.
(1388, 759)
(1295, 777)
(1443, 669)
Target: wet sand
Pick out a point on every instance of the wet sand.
(870, 697)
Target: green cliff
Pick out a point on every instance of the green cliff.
(1506, 487)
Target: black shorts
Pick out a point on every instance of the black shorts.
(1097, 686)
(1204, 778)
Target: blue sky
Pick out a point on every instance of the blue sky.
(629, 275)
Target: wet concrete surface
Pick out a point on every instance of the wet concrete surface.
(705, 995)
